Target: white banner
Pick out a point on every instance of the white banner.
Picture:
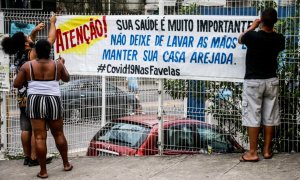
(4, 68)
(180, 47)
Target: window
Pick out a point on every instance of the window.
(179, 137)
(218, 140)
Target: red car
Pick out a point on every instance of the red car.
(138, 135)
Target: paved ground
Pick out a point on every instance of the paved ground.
(216, 166)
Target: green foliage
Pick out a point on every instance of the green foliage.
(19, 156)
(226, 109)
(189, 10)
(14, 157)
(261, 5)
(176, 88)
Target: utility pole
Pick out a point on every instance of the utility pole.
(108, 7)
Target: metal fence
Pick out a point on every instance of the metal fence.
(199, 116)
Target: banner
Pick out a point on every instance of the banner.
(179, 47)
(4, 68)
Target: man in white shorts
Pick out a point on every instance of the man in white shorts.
(260, 104)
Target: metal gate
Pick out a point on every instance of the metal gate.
(216, 103)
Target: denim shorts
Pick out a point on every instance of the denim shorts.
(260, 103)
(25, 123)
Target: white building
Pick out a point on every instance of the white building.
(205, 2)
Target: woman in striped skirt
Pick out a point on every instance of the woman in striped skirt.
(44, 102)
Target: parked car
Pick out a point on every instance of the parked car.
(82, 99)
(138, 135)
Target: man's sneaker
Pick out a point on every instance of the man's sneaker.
(33, 162)
(49, 160)
(26, 160)
(36, 162)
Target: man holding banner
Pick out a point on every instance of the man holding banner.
(261, 86)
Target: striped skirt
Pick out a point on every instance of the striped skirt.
(44, 107)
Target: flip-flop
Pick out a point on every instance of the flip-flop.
(248, 160)
(269, 157)
(40, 176)
(69, 168)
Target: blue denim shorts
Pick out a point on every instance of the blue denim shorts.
(25, 123)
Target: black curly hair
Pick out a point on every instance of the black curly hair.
(269, 17)
(14, 44)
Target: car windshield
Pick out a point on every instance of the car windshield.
(124, 134)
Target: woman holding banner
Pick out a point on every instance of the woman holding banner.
(44, 106)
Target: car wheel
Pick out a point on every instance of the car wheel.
(75, 116)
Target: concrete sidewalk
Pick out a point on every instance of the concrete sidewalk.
(216, 166)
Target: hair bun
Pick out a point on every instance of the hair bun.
(8, 46)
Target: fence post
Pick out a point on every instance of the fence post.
(109, 7)
(160, 118)
(278, 4)
(103, 110)
(185, 100)
(1, 22)
(160, 100)
(3, 121)
(161, 8)
(3, 104)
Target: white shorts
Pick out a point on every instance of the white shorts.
(260, 104)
